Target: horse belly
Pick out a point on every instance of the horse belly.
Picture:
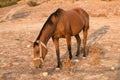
(76, 27)
(59, 32)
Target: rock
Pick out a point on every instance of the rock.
(45, 73)
(112, 68)
(57, 69)
(84, 58)
(28, 46)
(76, 60)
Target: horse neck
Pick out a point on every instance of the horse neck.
(46, 34)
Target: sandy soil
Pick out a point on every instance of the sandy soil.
(21, 23)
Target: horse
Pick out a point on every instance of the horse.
(61, 24)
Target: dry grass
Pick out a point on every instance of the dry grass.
(31, 3)
(4, 3)
(16, 59)
(66, 63)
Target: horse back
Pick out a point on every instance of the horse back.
(84, 16)
(71, 22)
(75, 20)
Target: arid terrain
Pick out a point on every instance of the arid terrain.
(20, 23)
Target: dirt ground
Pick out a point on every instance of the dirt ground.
(21, 23)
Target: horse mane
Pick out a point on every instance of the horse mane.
(49, 21)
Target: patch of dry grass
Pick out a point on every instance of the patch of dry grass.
(5, 3)
(31, 3)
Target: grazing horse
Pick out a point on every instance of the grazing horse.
(61, 24)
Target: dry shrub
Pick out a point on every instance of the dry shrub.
(95, 60)
(100, 15)
(94, 49)
(66, 63)
(95, 52)
(5, 3)
(101, 12)
(32, 3)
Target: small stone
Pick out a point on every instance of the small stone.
(28, 46)
(45, 73)
(112, 68)
(57, 69)
(84, 58)
(76, 60)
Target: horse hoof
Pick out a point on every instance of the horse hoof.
(84, 58)
(76, 58)
(57, 69)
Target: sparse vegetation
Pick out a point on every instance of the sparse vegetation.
(20, 24)
(4, 3)
(32, 3)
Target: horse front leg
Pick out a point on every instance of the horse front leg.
(68, 39)
(56, 43)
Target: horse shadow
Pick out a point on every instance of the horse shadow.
(94, 37)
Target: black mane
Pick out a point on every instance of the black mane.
(49, 21)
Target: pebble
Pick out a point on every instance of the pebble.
(28, 46)
(76, 60)
(57, 69)
(112, 68)
(84, 58)
(45, 73)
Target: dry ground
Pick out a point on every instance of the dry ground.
(20, 23)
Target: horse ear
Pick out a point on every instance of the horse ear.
(31, 44)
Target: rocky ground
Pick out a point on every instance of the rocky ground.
(21, 23)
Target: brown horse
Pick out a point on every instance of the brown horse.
(61, 24)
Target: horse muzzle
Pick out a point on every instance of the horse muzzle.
(38, 63)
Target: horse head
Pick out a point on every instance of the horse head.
(37, 58)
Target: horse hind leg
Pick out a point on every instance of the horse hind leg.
(85, 32)
(68, 39)
(78, 45)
